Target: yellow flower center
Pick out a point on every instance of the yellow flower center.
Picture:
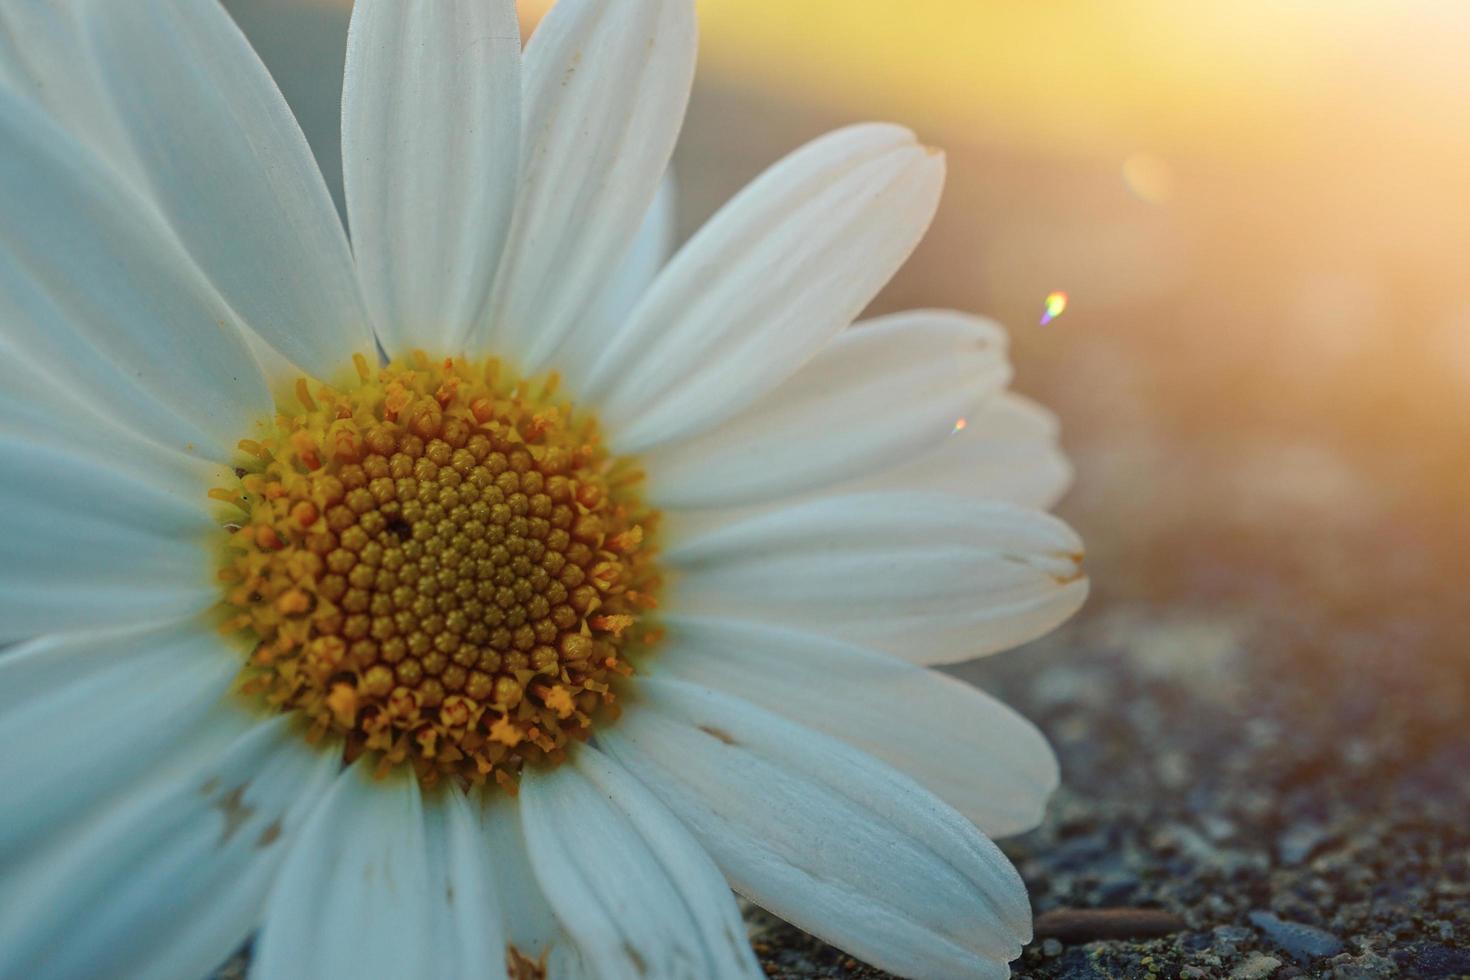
(440, 564)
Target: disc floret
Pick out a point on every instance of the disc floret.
(440, 563)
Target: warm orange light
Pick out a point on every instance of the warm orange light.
(1082, 77)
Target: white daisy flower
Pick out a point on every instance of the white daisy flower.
(487, 596)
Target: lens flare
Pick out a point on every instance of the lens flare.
(959, 424)
(1055, 306)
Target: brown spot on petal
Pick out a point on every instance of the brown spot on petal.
(269, 835)
(636, 959)
(519, 966)
(235, 810)
(718, 733)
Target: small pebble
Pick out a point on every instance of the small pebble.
(1257, 967)
(1300, 940)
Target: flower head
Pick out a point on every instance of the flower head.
(490, 592)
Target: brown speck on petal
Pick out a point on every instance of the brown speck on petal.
(718, 733)
(235, 810)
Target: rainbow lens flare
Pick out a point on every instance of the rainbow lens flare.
(1056, 305)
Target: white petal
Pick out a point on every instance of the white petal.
(881, 393)
(605, 89)
(468, 940)
(630, 886)
(646, 256)
(826, 837)
(44, 56)
(37, 408)
(353, 897)
(85, 714)
(771, 279)
(1008, 451)
(950, 737)
(96, 291)
(929, 578)
(82, 545)
(228, 167)
(431, 117)
(168, 879)
(530, 924)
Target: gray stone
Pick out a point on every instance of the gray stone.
(1301, 941)
(1297, 843)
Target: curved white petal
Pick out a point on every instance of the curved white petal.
(633, 890)
(772, 277)
(83, 545)
(431, 117)
(961, 744)
(228, 167)
(37, 408)
(355, 896)
(826, 837)
(932, 579)
(44, 56)
(1008, 451)
(87, 714)
(530, 925)
(95, 290)
(881, 393)
(169, 877)
(605, 89)
(651, 248)
(468, 941)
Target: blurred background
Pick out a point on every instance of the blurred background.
(1260, 214)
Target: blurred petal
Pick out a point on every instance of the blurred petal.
(44, 56)
(37, 408)
(1007, 451)
(928, 578)
(96, 291)
(85, 715)
(431, 116)
(82, 545)
(169, 878)
(766, 284)
(881, 393)
(826, 837)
